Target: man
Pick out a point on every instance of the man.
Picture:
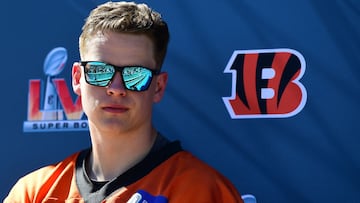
(122, 48)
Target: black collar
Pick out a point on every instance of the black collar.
(160, 152)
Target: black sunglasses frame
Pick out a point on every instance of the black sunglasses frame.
(120, 70)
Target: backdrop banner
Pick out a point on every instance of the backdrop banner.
(267, 92)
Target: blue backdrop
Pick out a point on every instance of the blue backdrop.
(313, 156)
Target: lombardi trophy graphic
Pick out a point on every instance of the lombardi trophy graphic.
(53, 65)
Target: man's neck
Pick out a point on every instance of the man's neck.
(113, 155)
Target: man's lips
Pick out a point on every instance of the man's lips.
(115, 108)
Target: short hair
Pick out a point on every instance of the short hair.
(128, 17)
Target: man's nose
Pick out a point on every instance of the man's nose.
(116, 86)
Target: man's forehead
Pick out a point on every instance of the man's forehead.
(120, 49)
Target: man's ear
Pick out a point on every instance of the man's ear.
(161, 82)
(76, 75)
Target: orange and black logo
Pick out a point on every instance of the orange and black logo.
(265, 83)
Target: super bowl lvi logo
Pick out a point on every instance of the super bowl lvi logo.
(266, 83)
(53, 109)
(54, 63)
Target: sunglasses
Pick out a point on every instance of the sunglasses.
(135, 78)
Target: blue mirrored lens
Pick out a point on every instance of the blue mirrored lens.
(98, 73)
(137, 78)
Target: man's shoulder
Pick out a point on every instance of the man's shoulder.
(45, 172)
(187, 175)
(173, 159)
(37, 183)
(185, 162)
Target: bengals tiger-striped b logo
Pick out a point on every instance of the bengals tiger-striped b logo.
(265, 83)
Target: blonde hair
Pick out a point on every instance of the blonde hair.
(127, 17)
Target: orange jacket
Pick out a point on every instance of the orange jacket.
(171, 175)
